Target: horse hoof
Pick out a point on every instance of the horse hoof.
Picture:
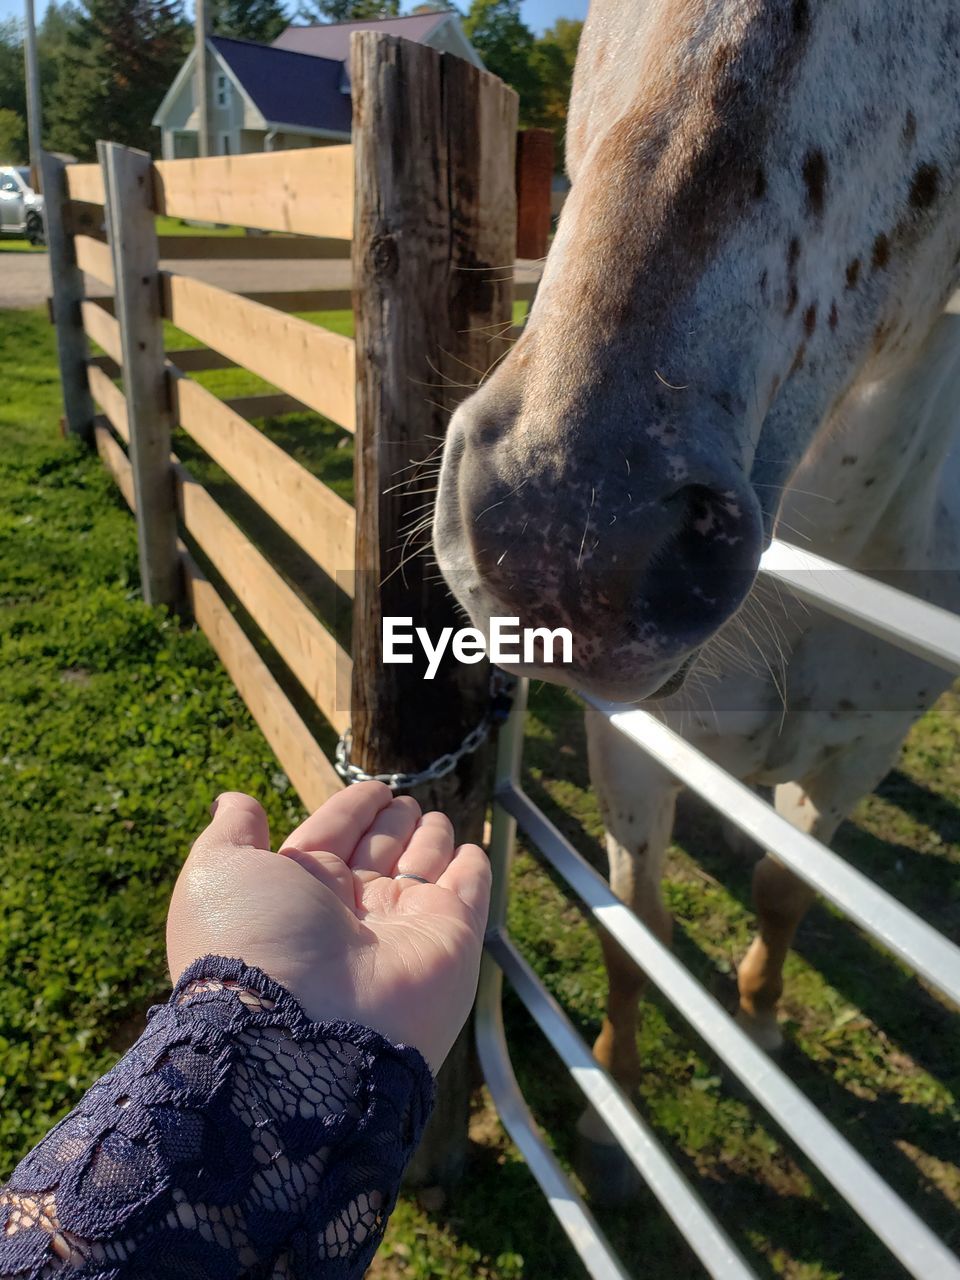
(766, 1036)
(610, 1177)
(764, 1032)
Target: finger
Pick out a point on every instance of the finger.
(340, 822)
(237, 820)
(381, 846)
(469, 877)
(429, 850)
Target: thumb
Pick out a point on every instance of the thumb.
(237, 820)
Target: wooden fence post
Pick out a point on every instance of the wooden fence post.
(433, 252)
(128, 182)
(66, 280)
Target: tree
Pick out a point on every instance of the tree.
(13, 137)
(348, 10)
(258, 20)
(114, 73)
(57, 32)
(54, 35)
(12, 94)
(506, 44)
(554, 56)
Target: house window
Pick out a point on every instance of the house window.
(223, 91)
(224, 144)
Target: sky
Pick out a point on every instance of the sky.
(538, 14)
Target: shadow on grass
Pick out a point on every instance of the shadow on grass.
(903, 1137)
(923, 805)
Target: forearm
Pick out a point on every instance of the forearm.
(234, 1134)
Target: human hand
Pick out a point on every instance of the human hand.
(327, 918)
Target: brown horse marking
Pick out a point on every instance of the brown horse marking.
(880, 254)
(815, 180)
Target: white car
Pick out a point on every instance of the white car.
(21, 208)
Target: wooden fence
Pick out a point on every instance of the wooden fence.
(425, 196)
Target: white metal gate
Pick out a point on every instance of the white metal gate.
(891, 615)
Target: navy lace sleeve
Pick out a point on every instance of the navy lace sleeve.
(236, 1139)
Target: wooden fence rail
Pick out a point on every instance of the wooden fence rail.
(306, 361)
(420, 317)
(309, 191)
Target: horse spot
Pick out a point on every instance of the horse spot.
(848, 460)
(815, 180)
(798, 358)
(925, 186)
(869, 481)
(855, 32)
(909, 128)
(810, 319)
(763, 285)
(853, 273)
(759, 184)
(801, 17)
(642, 848)
(881, 252)
(793, 253)
(793, 294)
(834, 315)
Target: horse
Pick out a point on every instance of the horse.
(740, 331)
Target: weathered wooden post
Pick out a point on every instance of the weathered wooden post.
(128, 182)
(66, 280)
(433, 251)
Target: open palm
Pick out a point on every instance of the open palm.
(331, 921)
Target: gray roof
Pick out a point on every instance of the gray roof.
(289, 88)
(332, 39)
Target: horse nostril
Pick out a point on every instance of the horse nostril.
(705, 561)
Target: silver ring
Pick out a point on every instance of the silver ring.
(408, 875)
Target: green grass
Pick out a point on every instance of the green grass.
(118, 726)
(15, 244)
(165, 227)
(178, 227)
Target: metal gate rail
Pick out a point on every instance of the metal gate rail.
(885, 612)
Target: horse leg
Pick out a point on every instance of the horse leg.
(637, 799)
(817, 806)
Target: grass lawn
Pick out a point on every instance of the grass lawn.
(13, 244)
(117, 728)
(165, 227)
(178, 227)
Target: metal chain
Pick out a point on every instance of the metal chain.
(501, 698)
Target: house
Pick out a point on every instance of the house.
(293, 93)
